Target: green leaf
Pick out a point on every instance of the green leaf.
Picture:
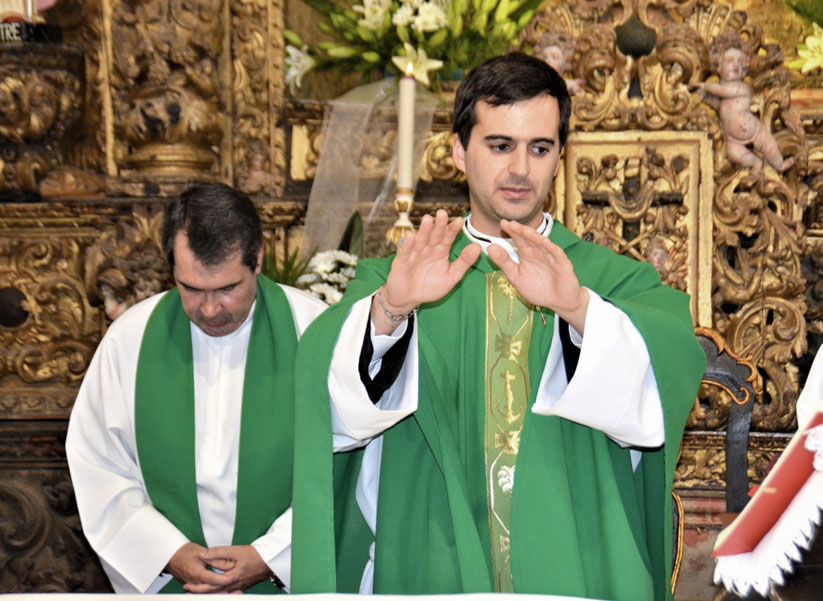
(502, 11)
(438, 38)
(524, 19)
(352, 239)
(337, 51)
(288, 270)
(479, 22)
(371, 57)
(292, 38)
(403, 34)
(325, 7)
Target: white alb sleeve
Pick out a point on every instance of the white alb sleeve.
(613, 388)
(134, 540)
(274, 547)
(355, 419)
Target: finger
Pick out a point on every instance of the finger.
(468, 256)
(521, 234)
(204, 588)
(206, 577)
(217, 553)
(502, 259)
(440, 229)
(452, 229)
(221, 563)
(424, 232)
(406, 246)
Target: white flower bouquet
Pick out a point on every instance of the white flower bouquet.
(327, 275)
(444, 35)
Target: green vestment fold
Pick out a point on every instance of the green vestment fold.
(164, 419)
(582, 523)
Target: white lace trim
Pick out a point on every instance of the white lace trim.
(814, 443)
(783, 545)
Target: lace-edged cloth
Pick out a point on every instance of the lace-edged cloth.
(782, 546)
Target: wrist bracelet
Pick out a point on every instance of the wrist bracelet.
(276, 581)
(393, 317)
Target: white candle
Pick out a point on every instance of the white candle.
(405, 133)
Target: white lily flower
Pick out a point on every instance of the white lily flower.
(420, 64)
(298, 63)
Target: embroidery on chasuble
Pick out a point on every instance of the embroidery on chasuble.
(508, 328)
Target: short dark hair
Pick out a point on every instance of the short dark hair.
(505, 80)
(218, 220)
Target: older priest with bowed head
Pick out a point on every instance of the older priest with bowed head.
(180, 443)
(506, 401)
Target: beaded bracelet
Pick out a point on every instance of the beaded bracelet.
(394, 318)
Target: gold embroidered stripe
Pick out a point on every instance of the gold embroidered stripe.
(508, 328)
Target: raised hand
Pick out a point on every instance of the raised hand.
(545, 276)
(187, 567)
(421, 271)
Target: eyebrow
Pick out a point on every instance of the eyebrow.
(500, 137)
(196, 289)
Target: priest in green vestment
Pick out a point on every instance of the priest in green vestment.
(181, 438)
(505, 401)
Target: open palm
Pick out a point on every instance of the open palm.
(545, 276)
(421, 271)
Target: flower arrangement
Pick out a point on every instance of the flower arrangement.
(810, 53)
(435, 35)
(328, 274)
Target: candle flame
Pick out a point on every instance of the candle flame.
(409, 69)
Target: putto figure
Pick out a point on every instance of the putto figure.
(732, 98)
(557, 50)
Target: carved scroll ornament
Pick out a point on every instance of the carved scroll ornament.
(42, 89)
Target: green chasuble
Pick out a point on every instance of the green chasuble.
(164, 420)
(580, 521)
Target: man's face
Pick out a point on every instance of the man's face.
(511, 159)
(216, 298)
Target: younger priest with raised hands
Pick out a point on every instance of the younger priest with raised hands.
(493, 346)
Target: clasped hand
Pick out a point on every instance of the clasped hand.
(241, 565)
(422, 272)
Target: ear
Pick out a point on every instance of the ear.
(458, 153)
(259, 261)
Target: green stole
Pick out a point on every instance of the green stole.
(582, 522)
(164, 419)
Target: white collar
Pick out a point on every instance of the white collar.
(484, 240)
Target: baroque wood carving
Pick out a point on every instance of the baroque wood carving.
(42, 547)
(41, 101)
(757, 287)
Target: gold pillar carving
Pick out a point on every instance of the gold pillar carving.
(258, 93)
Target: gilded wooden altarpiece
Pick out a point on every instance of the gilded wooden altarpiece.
(177, 91)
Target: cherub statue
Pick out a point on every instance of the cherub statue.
(255, 176)
(557, 50)
(732, 98)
